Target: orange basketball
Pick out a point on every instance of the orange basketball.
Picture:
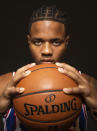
(43, 105)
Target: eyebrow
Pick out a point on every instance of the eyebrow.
(36, 39)
(57, 39)
(52, 39)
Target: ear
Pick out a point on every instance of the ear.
(28, 38)
(67, 38)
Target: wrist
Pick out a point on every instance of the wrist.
(2, 114)
(94, 114)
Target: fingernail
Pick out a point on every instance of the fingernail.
(33, 64)
(80, 72)
(61, 70)
(27, 72)
(21, 89)
(58, 64)
(67, 90)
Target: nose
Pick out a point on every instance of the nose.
(47, 49)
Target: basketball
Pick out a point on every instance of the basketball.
(44, 106)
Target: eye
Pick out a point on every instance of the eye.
(37, 42)
(56, 43)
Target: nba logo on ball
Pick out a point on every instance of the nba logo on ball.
(44, 105)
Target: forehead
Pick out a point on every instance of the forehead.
(47, 28)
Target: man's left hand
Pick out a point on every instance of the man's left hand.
(87, 85)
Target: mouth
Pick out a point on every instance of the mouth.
(47, 61)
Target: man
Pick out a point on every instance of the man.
(48, 38)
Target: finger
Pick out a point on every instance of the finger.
(71, 72)
(72, 90)
(18, 77)
(11, 91)
(67, 67)
(26, 67)
(76, 91)
(20, 74)
(71, 75)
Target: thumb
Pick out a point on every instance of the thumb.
(72, 91)
(11, 91)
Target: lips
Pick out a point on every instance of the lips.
(47, 61)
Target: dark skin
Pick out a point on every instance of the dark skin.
(48, 42)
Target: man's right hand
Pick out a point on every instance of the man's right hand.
(7, 86)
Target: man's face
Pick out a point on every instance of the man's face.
(47, 41)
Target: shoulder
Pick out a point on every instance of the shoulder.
(89, 78)
(5, 77)
(4, 80)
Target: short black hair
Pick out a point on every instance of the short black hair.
(50, 13)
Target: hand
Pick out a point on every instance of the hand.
(87, 86)
(8, 90)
